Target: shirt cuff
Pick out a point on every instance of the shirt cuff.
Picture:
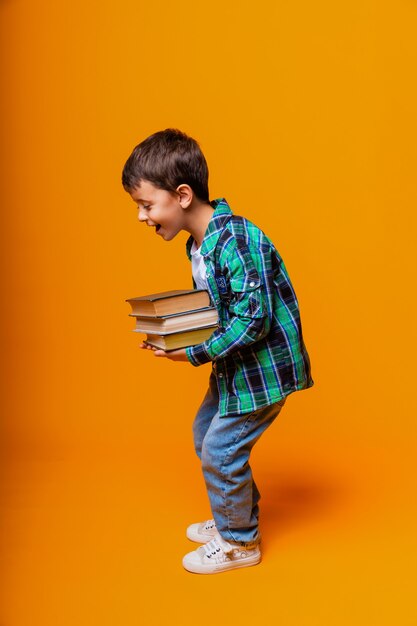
(197, 355)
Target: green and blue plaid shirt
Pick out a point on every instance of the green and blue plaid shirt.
(258, 349)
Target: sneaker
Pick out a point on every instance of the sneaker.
(202, 532)
(218, 555)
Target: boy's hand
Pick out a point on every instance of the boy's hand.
(173, 355)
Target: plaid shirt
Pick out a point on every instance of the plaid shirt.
(258, 349)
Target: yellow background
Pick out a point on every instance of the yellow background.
(306, 113)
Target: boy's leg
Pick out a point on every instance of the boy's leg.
(202, 421)
(256, 496)
(227, 473)
(205, 414)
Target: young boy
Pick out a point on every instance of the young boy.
(257, 352)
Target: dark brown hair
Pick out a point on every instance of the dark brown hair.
(166, 159)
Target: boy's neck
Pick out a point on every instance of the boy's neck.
(198, 217)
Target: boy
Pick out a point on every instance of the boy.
(257, 353)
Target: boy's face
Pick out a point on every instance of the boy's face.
(160, 209)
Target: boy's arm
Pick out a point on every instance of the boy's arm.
(248, 311)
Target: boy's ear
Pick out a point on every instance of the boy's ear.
(185, 194)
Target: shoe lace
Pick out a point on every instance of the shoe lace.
(212, 548)
(209, 524)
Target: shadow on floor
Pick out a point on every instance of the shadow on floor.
(291, 499)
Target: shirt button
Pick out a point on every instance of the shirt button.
(252, 284)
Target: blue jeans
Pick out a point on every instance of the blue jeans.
(224, 444)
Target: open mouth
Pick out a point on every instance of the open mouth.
(158, 226)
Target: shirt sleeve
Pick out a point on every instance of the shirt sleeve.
(248, 312)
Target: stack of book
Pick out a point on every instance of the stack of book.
(174, 319)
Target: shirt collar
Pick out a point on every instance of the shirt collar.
(221, 212)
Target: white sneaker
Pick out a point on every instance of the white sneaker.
(202, 531)
(218, 555)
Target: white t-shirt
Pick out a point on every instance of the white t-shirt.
(198, 267)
